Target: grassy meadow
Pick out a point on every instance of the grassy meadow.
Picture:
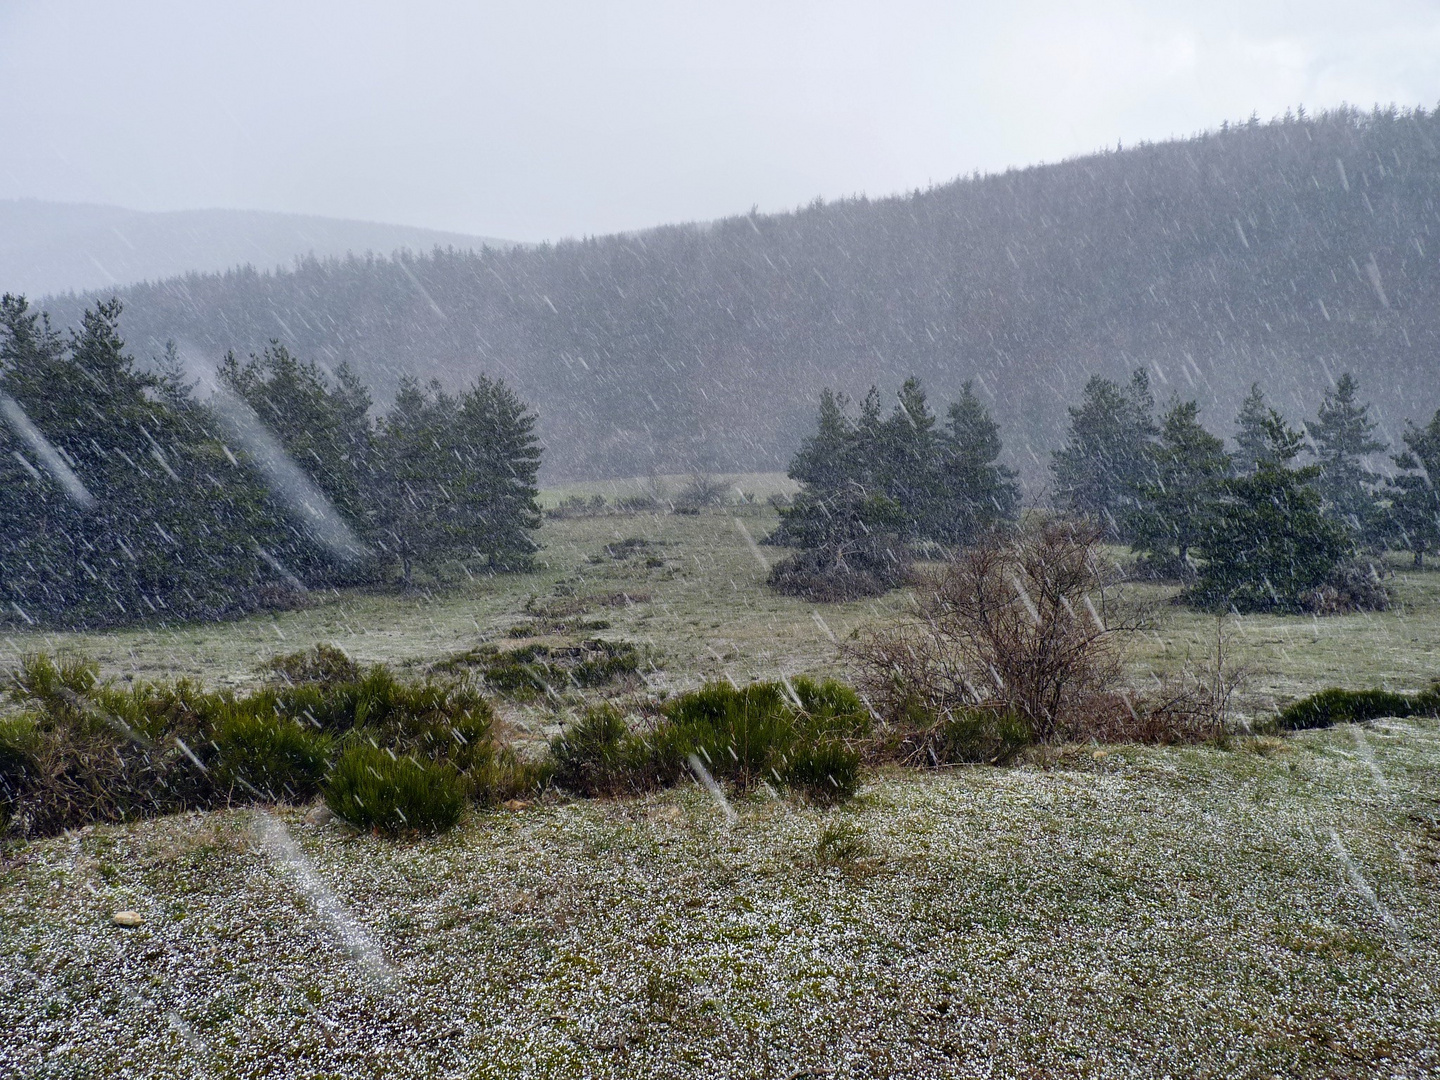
(1267, 907)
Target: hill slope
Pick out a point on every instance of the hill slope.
(1281, 252)
(50, 247)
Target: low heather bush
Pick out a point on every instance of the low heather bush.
(1337, 706)
(272, 757)
(375, 789)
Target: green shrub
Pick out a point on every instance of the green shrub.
(600, 756)
(840, 844)
(321, 664)
(827, 771)
(374, 789)
(743, 735)
(85, 751)
(1338, 706)
(978, 736)
(270, 757)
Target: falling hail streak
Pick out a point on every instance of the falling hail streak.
(49, 456)
(824, 626)
(306, 503)
(750, 542)
(1362, 887)
(282, 849)
(703, 775)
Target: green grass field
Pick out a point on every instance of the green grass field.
(1267, 908)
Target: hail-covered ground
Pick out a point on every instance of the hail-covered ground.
(1267, 909)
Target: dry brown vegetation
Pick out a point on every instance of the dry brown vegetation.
(1033, 625)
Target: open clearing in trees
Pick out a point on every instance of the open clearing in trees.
(1271, 907)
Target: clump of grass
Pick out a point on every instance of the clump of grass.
(978, 736)
(1338, 706)
(539, 670)
(323, 664)
(375, 789)
(600, 755)
(827, 771)
(840, 845)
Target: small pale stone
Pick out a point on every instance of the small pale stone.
(515, 804)
(319, 815)
(127, 918)
(1100, 754)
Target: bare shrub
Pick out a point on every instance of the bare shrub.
(1030, 625)
(703, 489)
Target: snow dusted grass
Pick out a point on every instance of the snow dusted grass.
(1269, 909)
(702, 609)
(1193, 912)
(705, 610)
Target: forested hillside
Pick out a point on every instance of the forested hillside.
(1283, 252)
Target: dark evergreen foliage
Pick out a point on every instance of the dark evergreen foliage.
(1175, 505)
(121, 500)
(1270, 547)
(876, 484)
(1343, 438)
(1413, 520)
(1105, 464)
(682, 347)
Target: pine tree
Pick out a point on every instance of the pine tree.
(1105, 462)
(906, 459)
(129, 519)
(415, 511)
(1270, 545)
(1342, 434)
(457, 477)
(823, 461)
(323, 425)
(500, 458)
(1177, 504)
(1414, 515)
(1256, 431)
(978, 492)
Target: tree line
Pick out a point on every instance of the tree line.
(126, 495)
(1277, 523)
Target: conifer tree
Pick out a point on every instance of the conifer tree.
(124, 516)
(979, 493)
(1343, 437)
(323, 425)
(1414, 516)
(1270, 545)
(1176, 507)
(1105, 461)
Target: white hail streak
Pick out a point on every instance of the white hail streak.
(49, 456)
(703, 775)
(1025, 598)
(824, 626)
(1368, 757)
(282, 849)
(306, 503)
(750, 542)
(1361, 886)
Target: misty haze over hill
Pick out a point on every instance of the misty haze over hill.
(48, 247)
(1285, 253)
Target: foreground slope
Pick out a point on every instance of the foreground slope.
(1197, 912)
(1284, 252)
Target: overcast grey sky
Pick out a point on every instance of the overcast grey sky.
(545, 119)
